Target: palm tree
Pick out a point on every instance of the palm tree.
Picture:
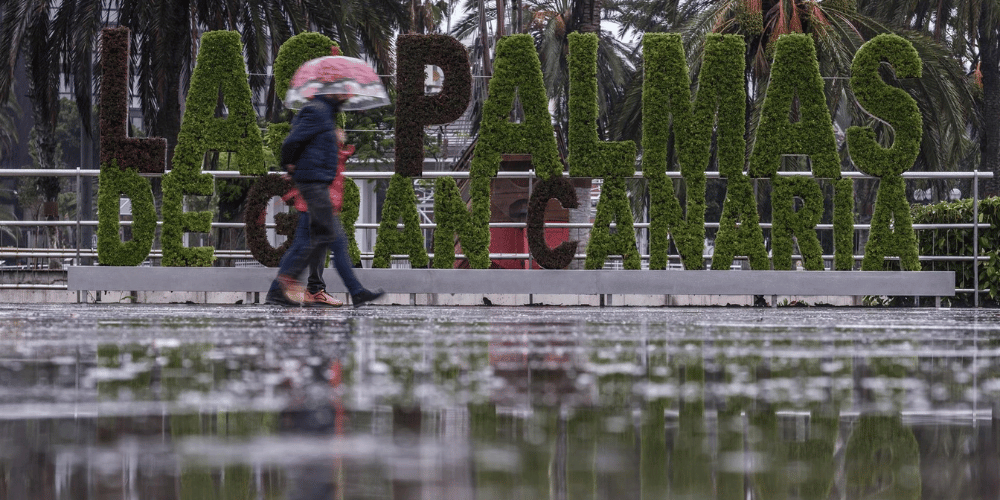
(549, 22)
(28, 31)
(167, 46)
(58, 38)
(971, 30)
(839, 30)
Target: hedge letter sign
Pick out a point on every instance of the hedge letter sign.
(795, 121)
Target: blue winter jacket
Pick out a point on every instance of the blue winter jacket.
(312, 144)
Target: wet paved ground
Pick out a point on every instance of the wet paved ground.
(191, 401)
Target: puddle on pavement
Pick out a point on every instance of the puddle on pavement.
(219, 402)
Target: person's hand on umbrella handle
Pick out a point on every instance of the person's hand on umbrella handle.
(341, 136)
(290, 168)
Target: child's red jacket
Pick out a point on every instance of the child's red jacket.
(336, 187)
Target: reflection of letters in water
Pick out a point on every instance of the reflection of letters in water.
(493, 403)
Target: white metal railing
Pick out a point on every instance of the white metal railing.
(80, 253)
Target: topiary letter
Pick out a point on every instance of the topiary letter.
(721, 96)
(414, 108)
(589, 157)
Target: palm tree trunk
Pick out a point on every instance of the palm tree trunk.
(989, 142)
(485, 39)
(169, 92)
(587, 14)
(500, 18)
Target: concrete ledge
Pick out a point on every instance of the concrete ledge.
(502, 281)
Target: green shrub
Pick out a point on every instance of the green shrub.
(890, 104)
(295, 51)
(415, 109)
(722, 94)
(891, 229)
(795, 74)
(800, 224)
(959, 242)
(113, 183)
(448, 210)
(740, 207)
(843, 224)
(613, 205)
(400, 202)
(517, 72)
(176, 221)
(588, 155)
(221, 69)
(349, 211)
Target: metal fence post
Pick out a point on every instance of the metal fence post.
(975, 236)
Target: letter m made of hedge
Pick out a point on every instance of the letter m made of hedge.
(667, 103)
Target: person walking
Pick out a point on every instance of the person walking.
(309, 154)
(316, 294)
(322, 87)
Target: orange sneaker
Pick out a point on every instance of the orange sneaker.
(322, 299)
(293, 290)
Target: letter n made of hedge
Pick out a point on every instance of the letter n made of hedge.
(590, 157)
(452, 218)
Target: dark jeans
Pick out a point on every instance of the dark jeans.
(318, 230)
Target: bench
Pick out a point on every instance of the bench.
(506, 281)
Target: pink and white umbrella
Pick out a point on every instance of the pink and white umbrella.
(337, 75)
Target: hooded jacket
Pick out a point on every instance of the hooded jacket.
(312, 143)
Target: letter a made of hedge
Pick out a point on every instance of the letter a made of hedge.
(740, 207)
(400, 202)
(142, 155)
(589, 157)
(220, 66)
(795, 73)
(414, 108)
(295, 51)
(892, 224)
(517, 73)
(115, 182)
(667, 95)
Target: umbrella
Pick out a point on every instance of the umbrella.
(337, 75)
